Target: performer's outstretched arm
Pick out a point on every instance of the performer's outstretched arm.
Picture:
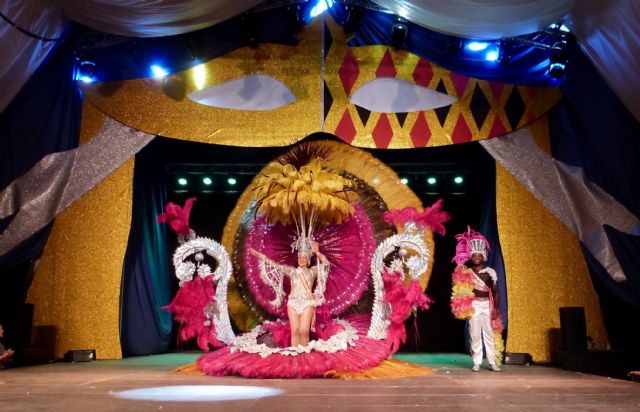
(272, 274)
(322, 272)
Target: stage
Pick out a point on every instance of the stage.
(111, 385)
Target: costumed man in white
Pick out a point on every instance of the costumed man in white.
(302, 302)
(485, 305)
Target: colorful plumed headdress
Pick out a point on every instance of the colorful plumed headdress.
(300, 190)
(469, 243)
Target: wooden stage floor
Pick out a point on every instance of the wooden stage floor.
(149, 384)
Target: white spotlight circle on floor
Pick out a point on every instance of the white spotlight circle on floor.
(198, 393)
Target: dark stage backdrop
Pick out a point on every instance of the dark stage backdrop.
(149, 281)
(43, 118)
(592, 129)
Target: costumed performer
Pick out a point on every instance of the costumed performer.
(476, 297)
(302, 302)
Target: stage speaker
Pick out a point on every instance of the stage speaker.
(85, 355)
(573, 327)
(516, 358)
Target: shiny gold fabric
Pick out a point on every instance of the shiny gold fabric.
(162, 107)
(76, 287)
(544, 266)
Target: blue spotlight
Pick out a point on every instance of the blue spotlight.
(484, 50)
(158, 71)
(458, 179)
(320, 7)
(431, 180)
(85, 79)
(476, 45)
(404, 181)
(556, 70)
(86, 71)
(492, 55)
(232, 181)
(207, 181)
(182, 181)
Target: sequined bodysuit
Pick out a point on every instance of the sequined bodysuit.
(302, 294)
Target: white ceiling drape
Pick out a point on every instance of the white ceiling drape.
(144, 18)
(21, 55)
(608, 31)
(481, 19)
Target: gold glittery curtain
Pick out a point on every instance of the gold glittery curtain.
(544, 265)
(162, 107)
(76, 286)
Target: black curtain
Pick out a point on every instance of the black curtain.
(43, 118)
(146, 281)
(148, 276)
(471, 203)
(592, 129)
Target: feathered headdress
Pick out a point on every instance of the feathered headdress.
(432, 217)
(300, 189)
(470, 242)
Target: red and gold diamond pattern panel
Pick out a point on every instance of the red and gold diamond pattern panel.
(484, 109)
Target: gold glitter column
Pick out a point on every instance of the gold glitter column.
(76, 286)
(544, 265)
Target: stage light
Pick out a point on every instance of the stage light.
(182, 181)
(320, 7)
(232, 181)
(199, 76)
(404, 181)
(458, 179)
(561, 27)
(559, 58)
(556, 70)
(207, 181)
(198, 393)
(492, 55)
(431, 180)
(399, 32)
(86, 79)
(158, 71)
(489, 51)
(86, 71)
(476, 45)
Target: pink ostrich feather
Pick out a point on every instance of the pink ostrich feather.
(463, 253)
(188, 309)
(347, 246)
(462, 296)
(364, 354)
(461, 276)
(432, 217)
(402, 299)
(178, 217)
